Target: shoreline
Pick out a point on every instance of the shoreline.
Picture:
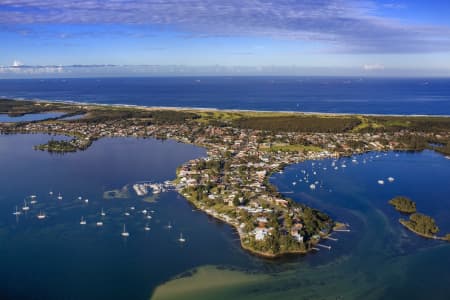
(212, 109)
(205, 184)
(427, 236)
(238, 231)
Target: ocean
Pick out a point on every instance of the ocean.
(307, 94)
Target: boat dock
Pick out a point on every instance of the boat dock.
(324, 246)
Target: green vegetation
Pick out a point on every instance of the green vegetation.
(421, 224)
(16, 108)
(403, 204)
(61, 146)
(299, 123)
(143, 116)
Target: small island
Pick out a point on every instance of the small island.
(403, 204)
(421, 224)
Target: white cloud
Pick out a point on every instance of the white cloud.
(373, 67)
(349, 25)
(17, 63)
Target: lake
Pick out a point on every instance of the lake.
(58, 258)
(29, 117)
(378, 259)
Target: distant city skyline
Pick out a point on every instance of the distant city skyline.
(205, 37)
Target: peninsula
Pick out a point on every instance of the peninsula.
(243, 149)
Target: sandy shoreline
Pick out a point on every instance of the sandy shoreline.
(212, 109)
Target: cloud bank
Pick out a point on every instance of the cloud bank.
(348, 25)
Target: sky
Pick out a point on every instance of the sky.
(262, 37)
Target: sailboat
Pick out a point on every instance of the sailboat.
(147, 228)
(99, 223)
(41, 216)
(33, 199)
(16, 213)
(50, 193)
(60, 197)
(103, 213)
(169, 226)
(125, 233)
(25, 206)
(181, 239)
(83, 221)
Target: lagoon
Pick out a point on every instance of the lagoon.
(57, 257)
(378, 259)
(29, 117)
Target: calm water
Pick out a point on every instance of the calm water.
(58, 258)
(340, 95)
(28, 118)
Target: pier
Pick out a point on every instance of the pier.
(324, 246)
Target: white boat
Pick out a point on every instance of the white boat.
(80, 198)
(312, 186)
(294, 183)
(144, 211)
(380, 182)
(125, 233)
(149, 217)
(50, 193)
(147, 228)
(132, 208)
(103, 213)
(25, 206)
(99, 223)
(86, 200)
(169, 226)
(82, 221)
(126, 213)
(33, 201)
(17, 212)
(391, 179)
(41, 216)
(181, 239)
(60, 197)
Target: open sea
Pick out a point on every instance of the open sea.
(315, 94)
(58, 258)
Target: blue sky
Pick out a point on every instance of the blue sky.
(293, 37)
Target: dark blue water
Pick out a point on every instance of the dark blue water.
(338, 95)
(57, 258)
(29, 117)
